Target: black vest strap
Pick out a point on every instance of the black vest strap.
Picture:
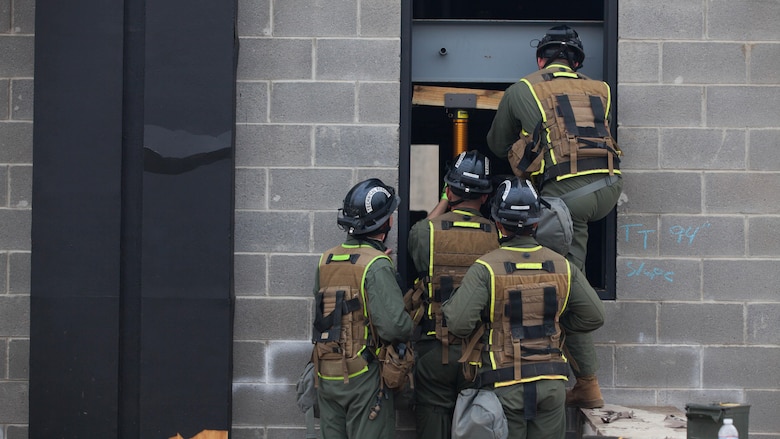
(565, 110)
(598, 116)
(582, 165)
(514, 309)
(329, 327)
(529, 400)
(528, 371)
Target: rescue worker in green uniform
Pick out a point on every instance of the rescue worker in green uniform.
(514, 302)
(443, 246)
(553, 126)
(359, 308)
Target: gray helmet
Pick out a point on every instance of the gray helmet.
(515, 204)
(561, 42)
(367, 207)
(470, 175)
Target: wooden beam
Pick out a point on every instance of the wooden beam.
(434, 96)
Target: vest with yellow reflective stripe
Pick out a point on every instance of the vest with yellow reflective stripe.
(457, 239)
(341, 321)
(523, 336)
(573, 137)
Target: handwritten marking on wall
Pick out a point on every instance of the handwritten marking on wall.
(650, 272)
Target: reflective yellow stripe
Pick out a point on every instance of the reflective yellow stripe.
(544, 124)
(341, 377)
(492, 310)
(565, 75)
(430, 269)
(467, 224)
(532, 379)
(340, 258)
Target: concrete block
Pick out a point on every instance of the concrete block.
(3, 273)
(15, 233)
(728, 20)
(679, 398)
(249, 362)
(756, 281)
(292, 275)
(657, 366)
(16, 142)
(3, 360)
(271, 231)
(639, 61)
(254, 18)
(19, 359)
(249, 274)
(629, 396)
(637, 235)
(19, 273)
(251, 102)
(376, 102)
(662, 192)
(380, 18)
(22, 99)
(14, 317)
(318, 19)
(20, 186)
(740, 367)
(5, 92)
(764, 150)
(735, 106)
(258, 58)
(273, 145)
(701, 323)
(305, 189)
(388, 176)
(763, 239)
(3, 186)
(658, 279)
(627, 322)
(640, 147)
(682, 235)
(286, 361)
(664, 19)
(606, 372)
(661, 105)
(291, 433)
(272, 319)
(327, 233)
(23, 17)
(252, 433)
(763, 63)
(5, 18)
(753, 193)
(251, 188)
(358, 59)
(17, 54)
(17, 432)
(763, 411)
(763, 326)
(313, 102)
(353, 146)
(717, 63)
(703, 148)
(14, 402)
(262, 404)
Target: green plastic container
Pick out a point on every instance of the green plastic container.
(704, 420)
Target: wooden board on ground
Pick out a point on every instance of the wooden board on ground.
(645, 423)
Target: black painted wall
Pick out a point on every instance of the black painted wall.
(132, 249)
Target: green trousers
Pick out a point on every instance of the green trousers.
(584, 209)
(344, 408)
(550, 419)
(436, 388)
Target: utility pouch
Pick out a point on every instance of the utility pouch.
(306, 391)
(414, 301)
(397, 363)
(479, 415)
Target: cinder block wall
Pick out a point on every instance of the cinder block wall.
(698, 288)
(17, 21)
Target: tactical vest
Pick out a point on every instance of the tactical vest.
(573, 137)
(522, 335)
(457, 239)
(342, 334)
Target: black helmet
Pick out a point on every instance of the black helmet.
(515, 204)
(367, 207)
(469, 177)
(561, 42)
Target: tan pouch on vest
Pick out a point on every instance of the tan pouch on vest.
(397, 365)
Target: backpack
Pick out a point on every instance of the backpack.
(555, 229)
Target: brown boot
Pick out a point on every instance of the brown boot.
(586, 393)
